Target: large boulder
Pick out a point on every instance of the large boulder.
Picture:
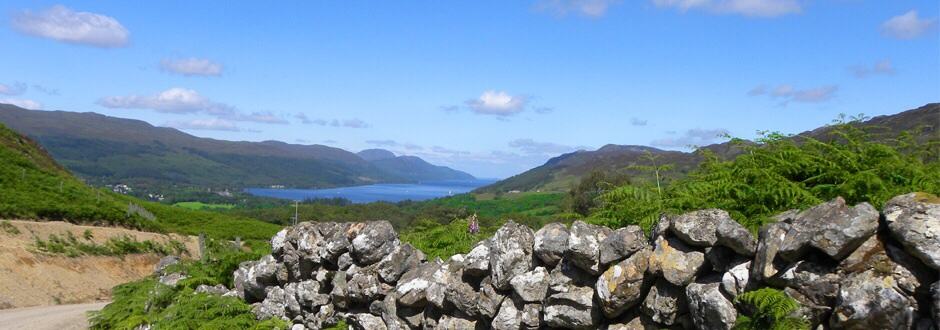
(914, 220)
(832, 227)
(665, 303)
(708, 308)
(584, 242)
(674, 261)
(371, 241)
(622, 243)
(620, 287)
(551, 242)
(872, 301)
(510, 253)
(531, 286)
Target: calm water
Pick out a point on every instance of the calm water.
(389, 192)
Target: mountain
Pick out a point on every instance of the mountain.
(411, 166)
(560, 173)
(109, 150)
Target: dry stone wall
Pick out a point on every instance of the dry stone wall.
(850, 267)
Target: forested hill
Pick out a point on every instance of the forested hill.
(109, 150)
(411, 166)
(560, 173)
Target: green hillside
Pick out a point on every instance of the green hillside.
(34, 186)
(563, 172)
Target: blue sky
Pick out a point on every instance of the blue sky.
(489, 87)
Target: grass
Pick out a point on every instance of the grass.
(9, 228)
(204, 206)
(164, 307)
(70, 246)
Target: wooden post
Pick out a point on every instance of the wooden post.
(202, 246)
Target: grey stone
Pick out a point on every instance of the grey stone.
(366, 321)
(584, 246)
(344, 261)
(708, 308)
(531, 286)
(477, 261)
(490, 299)
(273, 305)
(372, 241)
(815, 280)
(572, 309)
(635, 323)
(620, 287)
(339, 294)
(872, 301)
(404, 258)
(665, 303)
(551, 242)
(831, 227)
(164, 263)
(413, 285)
(622, 243)
(914, 220)
(698, 228)
(733, 235)
(448, 322)
(532, 316)
(508, 318)
(770, 238)
(309, 296)
(510, 253)
(735, 280)
(219, 289)
(722, 259)
(462, 296)
(364, 287)
(675, 262)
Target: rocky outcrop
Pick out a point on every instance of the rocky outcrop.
(848, 266)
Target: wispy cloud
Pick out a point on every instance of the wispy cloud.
(787, 93)
(349, 123)
(214, 124)
(383, 143)
(907, 26)
(46, 90)
(692, 138)
(63, 24)
(16, 88)
(22, 103)
(883, 67)
(532, 147)
(638, 122)
(192, 67)
(587, 8)
(187, 101)
(750, 8)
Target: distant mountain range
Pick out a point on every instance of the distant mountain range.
(562, 172)
(109, 150)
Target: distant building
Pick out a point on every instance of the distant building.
(513, 192)
(121, 188)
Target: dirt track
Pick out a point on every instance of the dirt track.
(28, 278)
(61, 317)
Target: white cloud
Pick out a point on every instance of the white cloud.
(349, 123)
(497, 103)
(265, 117)
(383, 143)
(788, 93)
(692, 138)
(750, 8)
(192, 67)
(589, 8)
(214, 124)
(907, 25)
(46, 90)
(14, 89)
(22, 103)
(883, 67)
(638, 122)
(63, 24)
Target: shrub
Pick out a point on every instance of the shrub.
(770, 309)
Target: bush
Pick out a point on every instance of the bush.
(70, 246)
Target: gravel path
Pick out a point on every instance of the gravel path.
(59, 317)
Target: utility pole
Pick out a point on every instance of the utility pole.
(296, 205)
